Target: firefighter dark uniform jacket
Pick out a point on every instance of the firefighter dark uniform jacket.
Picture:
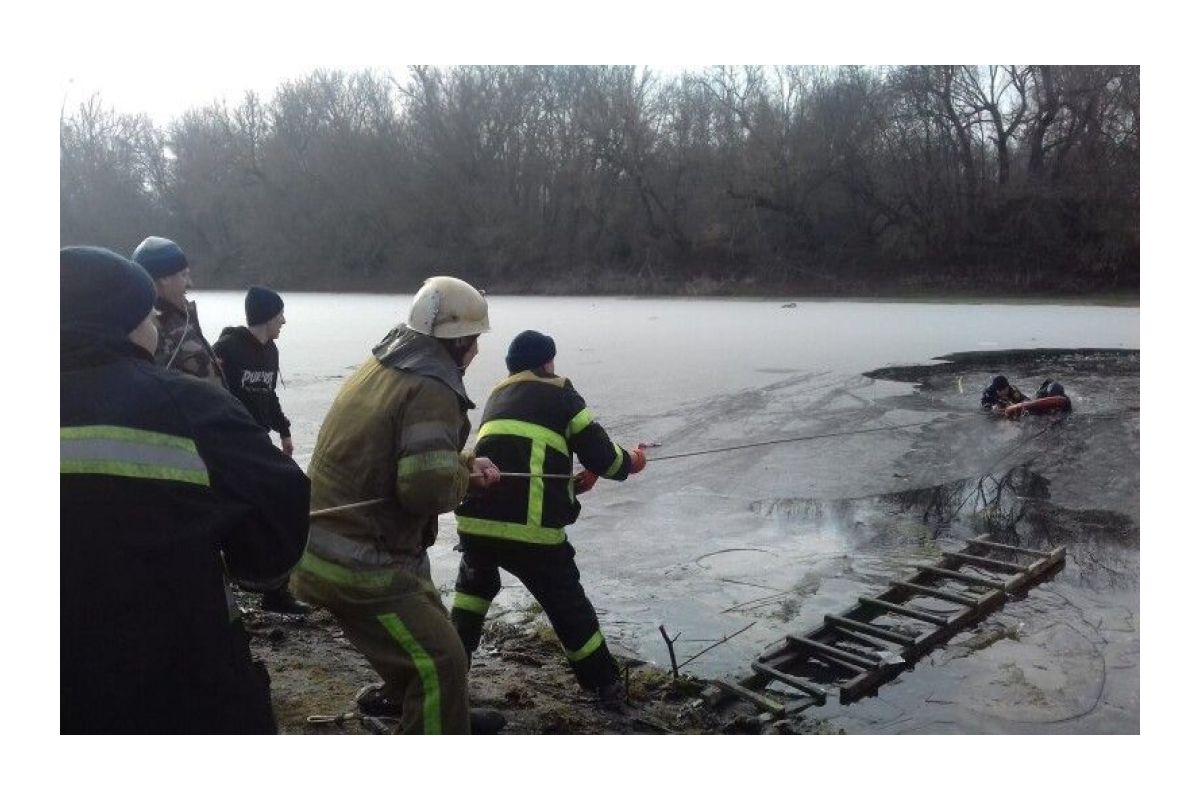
(167, 484)
(182, 345)
(395, 431)
(251, 369)
(537, 423)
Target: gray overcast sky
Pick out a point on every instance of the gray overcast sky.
(162, 59)
(167, 92)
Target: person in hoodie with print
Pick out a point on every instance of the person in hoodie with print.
(250, 363)
(250, 360)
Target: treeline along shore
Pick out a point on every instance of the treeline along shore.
(1013, 179)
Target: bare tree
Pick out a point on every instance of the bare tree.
(846, 179)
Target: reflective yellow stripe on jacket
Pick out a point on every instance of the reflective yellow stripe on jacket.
(528, 430)
(511, 530)
(433, 461)
(618, 457)
(366, 579)
(532, 531)
(129, 453)
(579, 422)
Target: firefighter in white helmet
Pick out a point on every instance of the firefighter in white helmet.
(396, 431)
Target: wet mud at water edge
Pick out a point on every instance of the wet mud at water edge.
(762, 542)
(518, 670)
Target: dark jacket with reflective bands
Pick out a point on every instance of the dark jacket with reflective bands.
(166, 485)
(536, 423)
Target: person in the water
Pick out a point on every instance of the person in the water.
(1000, 395)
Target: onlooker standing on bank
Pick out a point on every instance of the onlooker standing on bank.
(250, 362)
(181, 343)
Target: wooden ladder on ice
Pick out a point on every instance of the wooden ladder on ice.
(851, 654)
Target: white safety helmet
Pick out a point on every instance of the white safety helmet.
(447, 308)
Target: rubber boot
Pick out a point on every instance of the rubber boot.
(281, 601)
(372, 702)
(613, 698)
(485, 722)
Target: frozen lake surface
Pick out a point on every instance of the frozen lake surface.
(781, 535)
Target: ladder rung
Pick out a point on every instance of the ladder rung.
(965, 578)
(903, 610)
(815, 690)
(833, 661)
(870, 630)
(877, 648)
(953, 597)
(765, 703)
(837, 662)
(860, 638)
(986, 562)
(1010, 548)
(836, 652)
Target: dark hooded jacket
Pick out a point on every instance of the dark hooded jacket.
(167, 486)
(252, 372)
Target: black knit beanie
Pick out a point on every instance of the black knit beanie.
(160, 257)
(102, 292)
(529, 350)
(262, 304)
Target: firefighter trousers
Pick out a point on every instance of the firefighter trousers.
(550, 575)
(405, 634)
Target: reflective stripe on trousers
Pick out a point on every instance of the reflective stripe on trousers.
(430, 685)
(469, 602)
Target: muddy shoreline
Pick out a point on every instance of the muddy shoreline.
(518, 670)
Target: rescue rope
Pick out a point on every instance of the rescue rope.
(784, 441)
(1117, 413)
(555, 476)
(324, 512)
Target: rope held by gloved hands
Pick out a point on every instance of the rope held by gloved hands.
(545, 475)
(324, 512)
